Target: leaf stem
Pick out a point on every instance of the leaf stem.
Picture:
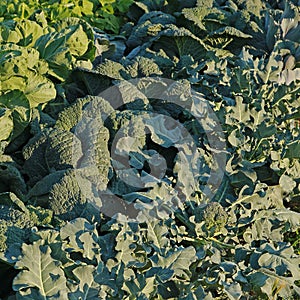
(221, 243)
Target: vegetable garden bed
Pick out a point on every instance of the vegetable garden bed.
(150, 149)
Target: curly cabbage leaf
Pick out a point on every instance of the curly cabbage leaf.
(48, 151)
(17, 220)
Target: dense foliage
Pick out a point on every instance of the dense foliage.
(107, 15)
(71, 114)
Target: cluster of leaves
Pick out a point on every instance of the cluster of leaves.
(244, 58)
(106, 15)
(35, 59)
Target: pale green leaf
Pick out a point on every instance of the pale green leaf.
(39, 271)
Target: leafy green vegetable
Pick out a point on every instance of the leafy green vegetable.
(40, 273)
(32, 59)
(106, 15)
(110, 186)
(17, 220)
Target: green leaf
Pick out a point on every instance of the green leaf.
(73, 231)
(141, 286)
(10, 199)
(6, 124)
(52, 48)
(238, 113)
(78, 42)
(293, 150)
(22, 71)
(233, 290)
(197, 14)
(39, 271)
(125, 247)
(156, 235)
(179, 260)
(287, 183)
(90, 247)
(39, 90)
(29, 32)
(87, 288)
